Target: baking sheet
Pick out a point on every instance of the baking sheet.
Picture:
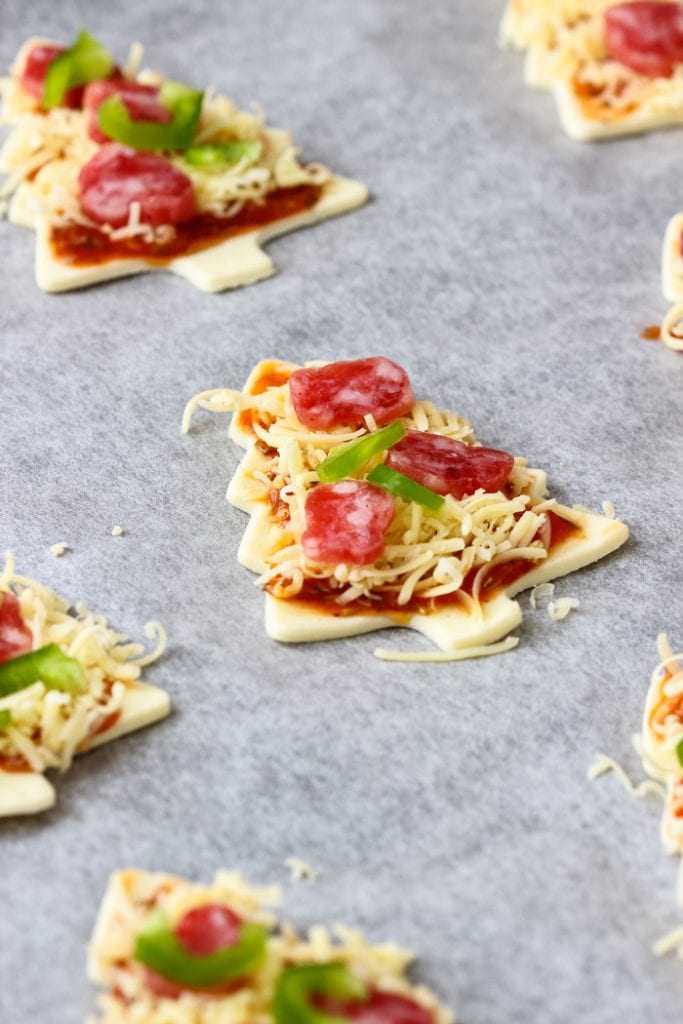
(511, 271)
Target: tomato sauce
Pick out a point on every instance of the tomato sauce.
(273, 376)
(595, 107)
(319, 595)
(14, 763)
(653, 333)
(82, 245)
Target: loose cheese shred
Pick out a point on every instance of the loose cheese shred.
(59, 549)
(542, 590)
(427, 554)
(44, 152)
(560, 609)
(127, 1000)
(117, 531)
(484, 651)
(647, 787)
(50, 726)
(609, 510)
(301, 871)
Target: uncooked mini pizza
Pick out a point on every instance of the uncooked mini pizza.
(370, 509)
(68, 683)
(614, 69)
(120, 171)
(660, 746)
(167, 950)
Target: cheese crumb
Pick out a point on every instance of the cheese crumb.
(542, 590)
(59, 549)
(117, 531)
(608, 510)
(300, 871)
(560, 609)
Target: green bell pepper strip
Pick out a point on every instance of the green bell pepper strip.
(216, 156)
(48, 665)
(296, 985)
(349, 457)
(158, 948)
(184, 104)
(5, 719)
(403, 487)
(679, 752)
(86, 60)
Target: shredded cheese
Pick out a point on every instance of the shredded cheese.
(542, 590)
(59, 549)
(117, 531)
(560, 609)
(44, 153)
(483, 651)
(301, 871)
(127, 999)
(49, 726)
(427, 554)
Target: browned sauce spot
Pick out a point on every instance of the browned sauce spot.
(652, 333)
(595, 107)
(81, 245)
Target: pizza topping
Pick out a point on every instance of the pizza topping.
(346, 459)
(141, 101)
(116, 177)
(343, 394)
(49, 666)
(448, 466)
(297, 989)
(346, 522)
(234, 948)
(646, 36)
(183, 105)
(217, 156)
(382, 1008)
(84, 61)
(15, 636)
(404, 487)
(32, 76)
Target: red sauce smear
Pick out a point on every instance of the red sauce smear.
(14, 763)
(319, 595)
(653, 333)
(594, 106)
(272, 377)
(81, 245)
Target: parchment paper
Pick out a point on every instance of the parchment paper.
(511, 271)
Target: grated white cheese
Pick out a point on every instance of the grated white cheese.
(427, 554)
(60, 548)
(300, 871)
(609, 510)
(542, 590)
(560, 609)
(117, 531)
(127, 1000)
(484, 651)
(48, 726)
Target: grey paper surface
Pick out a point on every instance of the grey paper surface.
(511, 271)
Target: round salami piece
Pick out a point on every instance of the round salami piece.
(346, 522)
(448, 466)
(15, 636)
(646, 36)
(382, 1008)
(32, 77)
(118, 176)
(141, 101)
(342, 394)
(207, 929)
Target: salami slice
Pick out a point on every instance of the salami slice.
(342, 394)
(448, 466)
(118, 176)
(32, 77)
(646, 36)
(381, 1008)
(15, 636)
(346, 522)
(141, 101)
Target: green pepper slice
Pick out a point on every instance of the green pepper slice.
(185, 105)
(349, 457)
(48, 665)
(679, 752)
(5, 719)
(86, 60)
(216, 156)
(158, 947)
(296, 985)
(404, 487)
